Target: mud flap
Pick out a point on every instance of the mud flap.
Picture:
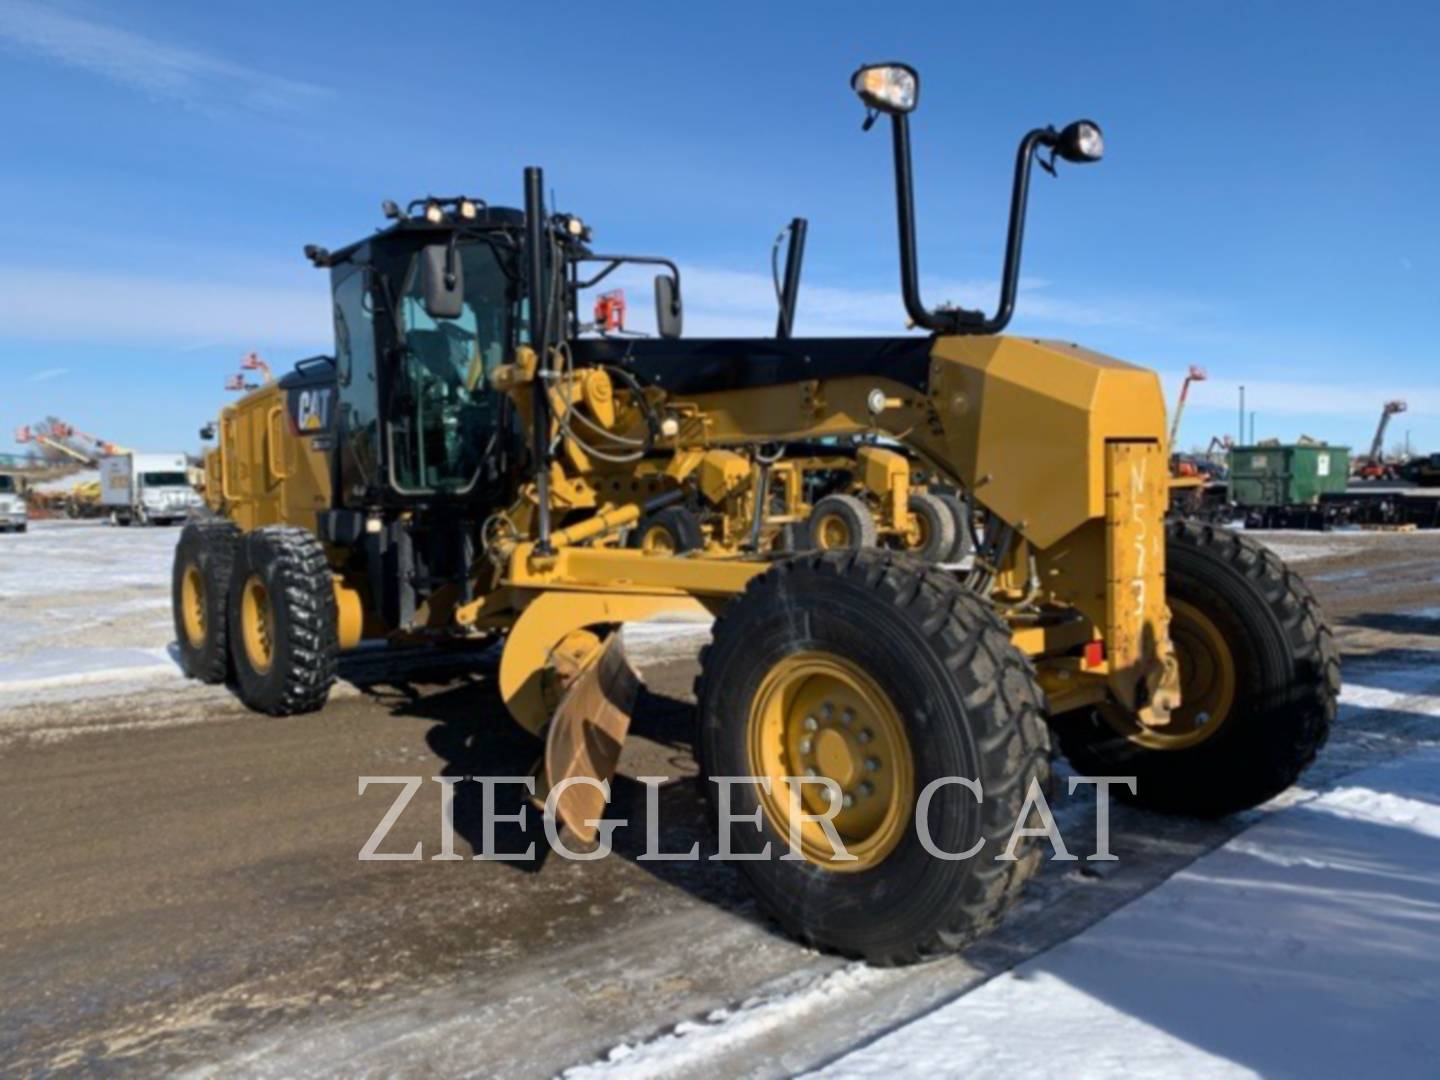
(587, 733)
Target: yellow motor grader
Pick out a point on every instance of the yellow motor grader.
(468, 463)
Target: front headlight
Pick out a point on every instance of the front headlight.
(891, 88)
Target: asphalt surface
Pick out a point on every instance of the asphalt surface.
(181, 886)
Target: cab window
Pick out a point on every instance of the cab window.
(355, 369)
(444, 415)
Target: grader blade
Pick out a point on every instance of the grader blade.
(587, 733)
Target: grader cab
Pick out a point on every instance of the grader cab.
(471, 463)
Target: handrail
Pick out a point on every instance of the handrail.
(274, 448)
(227, 424)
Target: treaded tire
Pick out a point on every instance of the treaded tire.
(291, 564)
(970, 706)
(680, 523)
(1287, 676)
(855, 515)
(964, 527)
(210, 548)
(792, 539)
(940, 526)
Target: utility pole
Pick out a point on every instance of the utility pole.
(1240, 431)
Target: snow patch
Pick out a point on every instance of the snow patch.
(48, 668)
(1304, 947)
(686, 1049)
(1300, 545)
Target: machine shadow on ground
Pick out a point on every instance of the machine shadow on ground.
(472, 735)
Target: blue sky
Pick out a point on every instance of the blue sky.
(1267, 207)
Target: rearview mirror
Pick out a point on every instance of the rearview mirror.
(441, 282)
(669, 317)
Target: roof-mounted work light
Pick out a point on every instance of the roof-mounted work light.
(1081, 142)
(887, 88)
(894, 89)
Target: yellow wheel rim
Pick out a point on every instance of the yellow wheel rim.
(919, 531)
(832, 532)
(819, 715)
(1208, 682)
(657, 540)
(192, 605)
(257, 624)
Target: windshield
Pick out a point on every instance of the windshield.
(7, 485)
(164, 479)
(444, 415)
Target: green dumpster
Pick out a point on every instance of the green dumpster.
(1294, 475)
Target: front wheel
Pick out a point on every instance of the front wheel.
(932, 531)
(886, 678)
(672, 531)
(840, 522)
(1259, 682)
(964, 527)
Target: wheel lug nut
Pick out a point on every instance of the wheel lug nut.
(848, 801)
(827, 710)
(811, 773)
(805, 745)
(1201, 719)
(865, 736)
(847, 717)
(867, 788)
(811, 723)
(873, 764)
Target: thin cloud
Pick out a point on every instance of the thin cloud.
(48, 374)
(162, 71)
(292, 307)
(724, 303)
(1279, 397)
(127, 309)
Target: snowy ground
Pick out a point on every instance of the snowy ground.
(1300, 545)
(1305, 947)
(86, 606)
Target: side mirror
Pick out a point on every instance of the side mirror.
(442, 282)
(207, 432)
(669, 316)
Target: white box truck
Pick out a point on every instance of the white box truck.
(146, 488)
(13, 514)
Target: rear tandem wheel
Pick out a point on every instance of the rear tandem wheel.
(282, 621)
(199, 587)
